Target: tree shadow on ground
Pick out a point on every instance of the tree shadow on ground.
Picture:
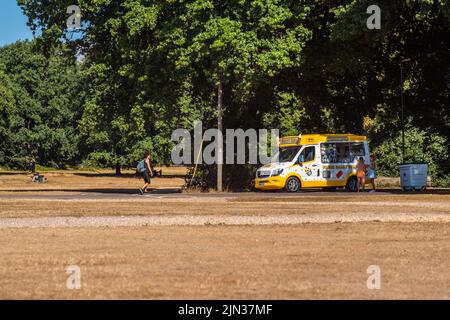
(101, 190)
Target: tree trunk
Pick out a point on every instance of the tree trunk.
(118, 170)
(219, 140)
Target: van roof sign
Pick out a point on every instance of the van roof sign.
(318, 138)
(337, 138)
(289, 140)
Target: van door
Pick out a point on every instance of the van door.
(308, 168)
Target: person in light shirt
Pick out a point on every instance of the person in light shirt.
(372, 173)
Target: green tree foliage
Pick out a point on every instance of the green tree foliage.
(7, 105)
(415, 30)
(301, 66)
(422, 147)
(40, 102)
(153, 66)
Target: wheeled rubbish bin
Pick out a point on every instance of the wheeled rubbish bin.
(413, 176)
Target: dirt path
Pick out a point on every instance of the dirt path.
(321, 207)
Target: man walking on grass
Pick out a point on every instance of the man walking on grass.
(145, 170)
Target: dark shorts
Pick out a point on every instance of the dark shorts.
(146, 176)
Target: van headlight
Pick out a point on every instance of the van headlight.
(277, 172)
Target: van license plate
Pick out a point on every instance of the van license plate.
(261, 184)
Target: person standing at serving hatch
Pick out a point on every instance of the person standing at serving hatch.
(145, 170)
(361, 173)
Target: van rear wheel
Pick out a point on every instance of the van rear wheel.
(352, 184)
(292, 184)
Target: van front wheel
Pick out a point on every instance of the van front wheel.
(292, 184)
(352, 184)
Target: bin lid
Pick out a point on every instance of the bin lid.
(411, 163)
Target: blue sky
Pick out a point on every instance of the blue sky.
(13, 24)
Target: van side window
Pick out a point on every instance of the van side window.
(308, 154)
(328, 152)
(341, 152)
(357, 150)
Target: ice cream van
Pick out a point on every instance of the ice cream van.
(315, 161)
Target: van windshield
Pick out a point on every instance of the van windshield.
(288, 154)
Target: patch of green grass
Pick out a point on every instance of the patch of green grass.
(40, 168)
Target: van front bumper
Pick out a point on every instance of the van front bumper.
(273, 183)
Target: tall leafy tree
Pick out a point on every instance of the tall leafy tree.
(154, 65)
(44, 100)
(7, 105)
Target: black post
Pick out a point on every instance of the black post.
(219, 138)
(402, 112)
(403, 109)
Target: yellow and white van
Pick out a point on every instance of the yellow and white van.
(315, 161)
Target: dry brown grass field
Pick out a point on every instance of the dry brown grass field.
(101, 180)
(311, 245)
(316, 261)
